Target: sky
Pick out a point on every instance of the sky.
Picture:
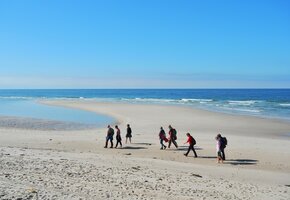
(144, 44)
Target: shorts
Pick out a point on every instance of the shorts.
(219, 154)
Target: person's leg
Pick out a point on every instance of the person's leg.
(117, 144)
(121, 143)
(223, 154)
(195, 155)
(130, 139)
(188, 150)
(126, 139)
(169, 143)
(112, 144)
(175, 144)
(161, 143)
(106, 145)
(219, 157)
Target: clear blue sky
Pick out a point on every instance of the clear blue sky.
(144, 44)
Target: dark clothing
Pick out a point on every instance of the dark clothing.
(172, 141)
(111, 141)
(223, 155)
(129, 133)
(162, 134)
(119, 141)
(118, 138)
(222, 148)
(191, 147)
(172, 138)
(110, 132)
(191, 142)
(109, 137)
(162, 137)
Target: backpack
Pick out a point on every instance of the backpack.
(224, 142)
(174, 134)
(193, 141)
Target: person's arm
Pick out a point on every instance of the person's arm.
(187, 141)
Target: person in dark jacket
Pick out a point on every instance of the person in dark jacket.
(172, 137)
(129, 133)
(162, 138)
(118, 137)
(191, 141)
(223, 144)
(110, 135)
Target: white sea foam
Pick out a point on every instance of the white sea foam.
(17, 98)
(201, 101)
(285, 104)
(243, 110)
(243, 103)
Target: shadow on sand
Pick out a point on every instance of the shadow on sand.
(241, 162)
(208, 157)
(184, 148)
(134, 148)
(144, 143)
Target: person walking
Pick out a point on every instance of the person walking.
(118, 137)
(223, 144)
(218, 148)
(110, 135)
(129, 133)
(162, 138)
(172, 136)
(191, 141)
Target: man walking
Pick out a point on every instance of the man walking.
(172, 136)
(223, 144)
(191, 142)
(110, 134)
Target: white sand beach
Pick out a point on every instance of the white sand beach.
(72, 164)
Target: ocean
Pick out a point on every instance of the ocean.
(269, 103)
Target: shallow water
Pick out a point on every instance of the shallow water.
(32, 109)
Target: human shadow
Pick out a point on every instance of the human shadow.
(143, 143)
(241, 162)
(184, 148)
(208, 157)
(133, 148)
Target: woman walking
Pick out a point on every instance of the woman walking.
(129, 133)
(118, 137)
(219, 149)
(162, 138)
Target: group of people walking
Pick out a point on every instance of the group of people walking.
(172, 139)
(110, 136)
(221, 142)
(220, 145)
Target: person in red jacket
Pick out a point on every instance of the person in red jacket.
(191, 142)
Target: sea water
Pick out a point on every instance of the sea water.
(270, 103)
(29, 108)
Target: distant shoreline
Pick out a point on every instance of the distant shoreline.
(265, 103)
